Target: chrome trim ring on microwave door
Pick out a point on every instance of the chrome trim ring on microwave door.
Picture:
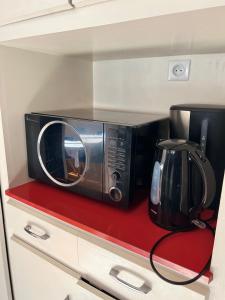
(42, 163)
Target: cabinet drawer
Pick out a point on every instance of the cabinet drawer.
(28, 266)
(127, 280)
(45, 236)
(36, 276)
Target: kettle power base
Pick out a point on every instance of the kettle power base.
(133, 230)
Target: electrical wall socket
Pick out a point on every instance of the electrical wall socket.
(179, 70)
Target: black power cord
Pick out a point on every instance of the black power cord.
(204, 269)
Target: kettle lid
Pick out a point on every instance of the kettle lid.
(177, 145)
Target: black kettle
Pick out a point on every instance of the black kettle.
(173, 204)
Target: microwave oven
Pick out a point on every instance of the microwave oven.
(105, 155)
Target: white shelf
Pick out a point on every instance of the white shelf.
(190, 32)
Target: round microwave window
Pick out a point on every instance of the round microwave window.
(61, 153)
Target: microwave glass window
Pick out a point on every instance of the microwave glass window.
(63, 154)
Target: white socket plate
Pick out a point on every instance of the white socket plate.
(179, 70)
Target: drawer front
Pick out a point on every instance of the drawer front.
(89, 292)
(37, 276)
(45, 236)
(28, 266)
(127, 280)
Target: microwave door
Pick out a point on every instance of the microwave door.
(69, 154)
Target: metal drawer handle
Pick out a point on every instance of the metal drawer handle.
(29, 231)
(142, 289)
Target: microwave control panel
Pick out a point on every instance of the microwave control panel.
(117, 143)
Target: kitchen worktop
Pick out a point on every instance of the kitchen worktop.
(185, 253)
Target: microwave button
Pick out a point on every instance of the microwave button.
(116, 175)
(111, 150)
(121, 159)
(121, 150)
(112, 143)
(115, 194)
(121, 154)
(119, 164)
(121, 143)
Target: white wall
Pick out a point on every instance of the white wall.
(141, 83)
(35, 82)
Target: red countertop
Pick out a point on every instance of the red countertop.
(133, 229)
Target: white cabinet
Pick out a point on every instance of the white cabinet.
(19, 10)
(89, 292)
(13, 11)
(127, 280)
(44, 258)
(80, 3)
(37, 276)
(43, 235)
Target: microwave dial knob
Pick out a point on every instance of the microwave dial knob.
(115, 194)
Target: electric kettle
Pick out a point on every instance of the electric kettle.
(172, 204)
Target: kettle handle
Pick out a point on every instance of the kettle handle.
(208, 177)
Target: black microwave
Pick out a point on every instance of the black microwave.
(102, 154)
